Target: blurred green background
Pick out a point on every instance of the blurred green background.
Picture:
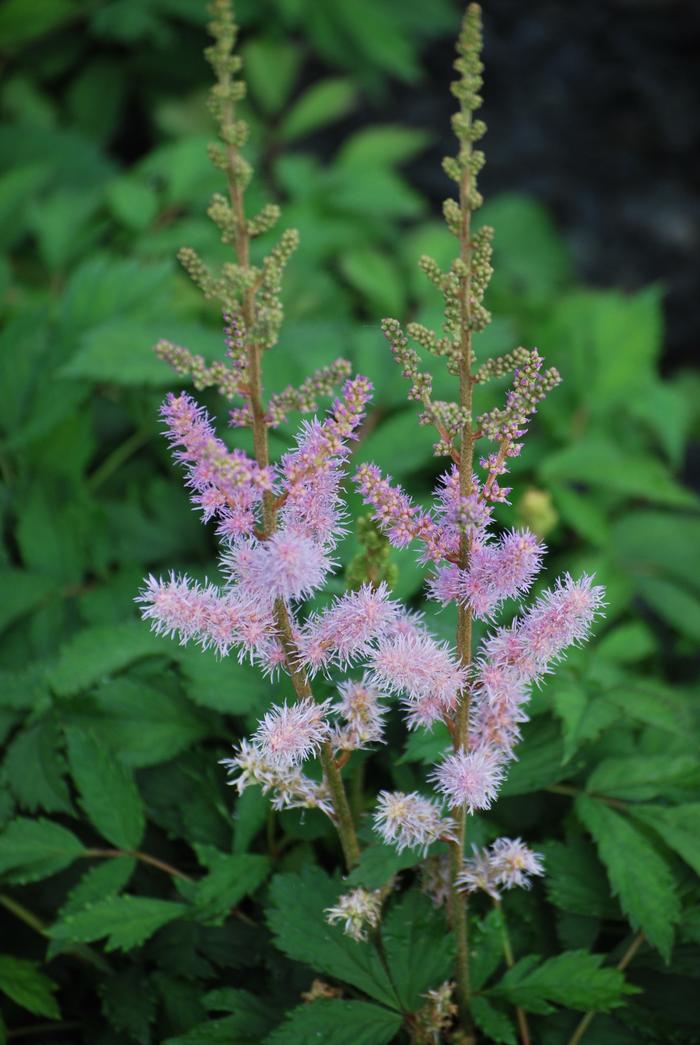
(105, 175)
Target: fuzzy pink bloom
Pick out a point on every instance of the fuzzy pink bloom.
(399, 518)
(348, 630)
(496, 710)
(499, 571)
(407, 820)
(422, 671)
(287, 566)
(291, 789)
(227, 483)
(505, 864)
(364, 716)
(514, 863)
(184, 608)
(445, 585)
(457, 514)
(560, 618)
(469, 778)
(289, 734)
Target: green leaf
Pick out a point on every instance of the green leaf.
(641, 777)
(250, 815)
(22, 981)
(673, 603)
(22, 592)
(485, 948)
(677, 826)
(583, 718)
(376, 277)
(575, 879)
(337, 1023)
(95, 653)
(19, 25)
(639, 876)
(574, 979)
(271, 68)
(419, 952)
(127, 1005)
(494, 1023)
(222, 684)
(324, 102)
(127, 921)
(296, 917)
(35, 769)
(540, 759)
(231, 877)
(132, 202)
(108, 793)
(378, 863)
(603, 463)
(104, 879)
(383, 145)
(426, 745)
(530, 257)
(249, 1023)
(34, 849)
(143, 725)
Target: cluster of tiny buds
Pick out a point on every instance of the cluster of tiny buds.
(359, 912)
(434, 1019)
(185, 363)
(407, 358)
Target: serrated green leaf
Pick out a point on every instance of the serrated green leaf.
(425, 745)
(337, 1023)
(378, 863)
(103, 880)
(677, 826)
(322, 103)
(383, 145)
(34, 849)
(22, 592)
(575, 879)
(23, 981)
(639, 876)
(540, 758)
(108, 793)
(127, 921)
(95, 653)
(575, 979)
(142, 725)
(231, 877)
(674, 603)
(485, 948)
(249, 815)
(296, 917)
(419, 952)
(641, 777)
(494, 1023)
(127, 1005)
(222, 684)
(35, 769)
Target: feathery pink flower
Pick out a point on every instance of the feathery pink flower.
(287, 566)
(515, 863)
(560, 618)
(289, 734)
(408, 819)
(469, 778)
(291, 789)
(364, 716)
(348, 629)
(399, 519)
(226, 482)
(186, 609)
(420, 670)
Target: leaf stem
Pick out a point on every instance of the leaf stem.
(624, 961)
(145, 858)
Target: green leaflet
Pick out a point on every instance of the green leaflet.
(35, 769)
(97, 652)
(108, 793)
(574, 979)
(336, 1023)
(128, 1004)
(34, 849)
(127, 921)
(22, 981)
(638, 875)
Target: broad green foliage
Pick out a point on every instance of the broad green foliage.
(140, 901)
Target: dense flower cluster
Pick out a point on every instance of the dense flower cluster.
(359, 912)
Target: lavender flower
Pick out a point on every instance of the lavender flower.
(287, 736)
(407, 820)
(469, 778)
(359, 911)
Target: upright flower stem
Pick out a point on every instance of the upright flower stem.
(523, 1028)
(459, 912)
(302, 686)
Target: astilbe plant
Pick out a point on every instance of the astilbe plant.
(279, 523)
